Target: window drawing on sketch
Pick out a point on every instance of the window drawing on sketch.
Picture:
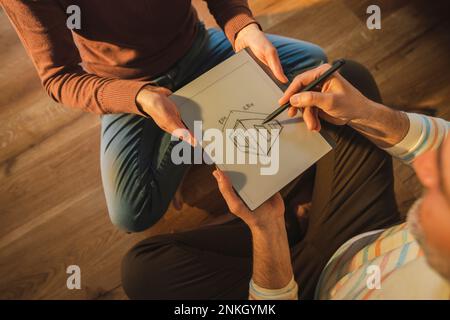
(247, 140)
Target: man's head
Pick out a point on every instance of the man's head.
(431, 219)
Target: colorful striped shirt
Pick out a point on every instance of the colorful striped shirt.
(389, 264)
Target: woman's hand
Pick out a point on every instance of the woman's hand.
(252, 37)
(154, 101)
(269, 213)
(338, 102)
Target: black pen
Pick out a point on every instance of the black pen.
(336, 66)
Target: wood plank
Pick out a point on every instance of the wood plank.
(409, 83)
(50, 173)
(84, 237)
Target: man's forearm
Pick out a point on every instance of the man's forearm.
(272, 268)
(383, 126)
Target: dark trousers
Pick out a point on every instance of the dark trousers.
(353, 193)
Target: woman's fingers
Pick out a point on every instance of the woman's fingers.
(163, 91)
(160, 90)
(177, 128)
(173, 123)
(274, 64)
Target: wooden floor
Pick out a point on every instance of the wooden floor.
(52, 209)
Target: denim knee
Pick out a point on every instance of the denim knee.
(296, 55)
(130, 217)
(317, 54)
(312, 55)
(134, 203)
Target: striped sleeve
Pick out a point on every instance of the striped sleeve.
(424, 133)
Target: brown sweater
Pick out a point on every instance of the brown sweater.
(121, 44)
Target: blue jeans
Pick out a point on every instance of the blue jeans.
(139, 178)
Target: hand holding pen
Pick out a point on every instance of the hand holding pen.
(338, 101)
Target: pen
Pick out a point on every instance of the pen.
(336, 66)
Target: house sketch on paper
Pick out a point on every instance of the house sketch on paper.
(242, 121)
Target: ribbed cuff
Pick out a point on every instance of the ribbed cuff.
(119, 96)
(414, 136)
(425, 133)
(289, 292)
(237, 23)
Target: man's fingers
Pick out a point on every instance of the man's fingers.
(275, 65)
(302, 81)
(316, 115)
(292, 112)
(293, 88)
(312, 99)
(310, 116)
(309, 119)
(226, 189)
(234, 203)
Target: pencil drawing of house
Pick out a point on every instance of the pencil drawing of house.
(247, 140)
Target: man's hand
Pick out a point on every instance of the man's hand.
(154, 101)
(252, 37)
(272, 268)
(338, 102)
(269, 213)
